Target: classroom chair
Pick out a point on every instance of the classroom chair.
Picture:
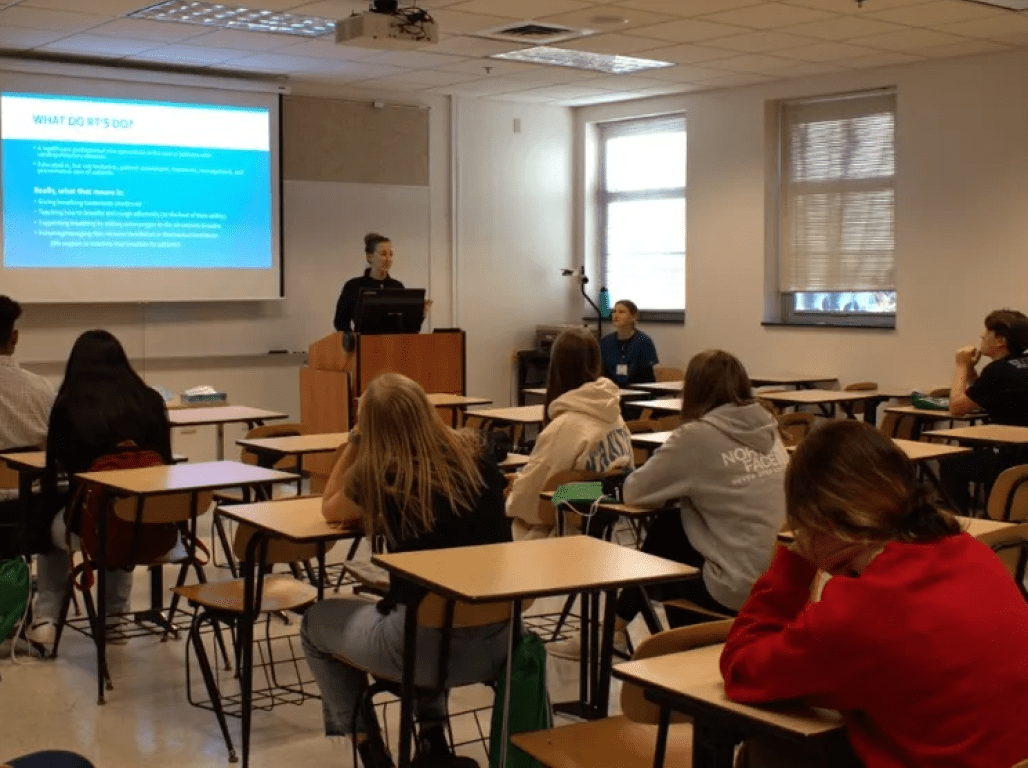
(1011, 546)
(221, 603)
(435, 612)
(793, 427)
(664, 372)
(898, 425)
(1008, 500)
(860, 386)
(627, 740)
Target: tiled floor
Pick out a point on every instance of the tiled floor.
(51, 704)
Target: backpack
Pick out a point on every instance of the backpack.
(530, 708)
(14, 594)
(128, 543)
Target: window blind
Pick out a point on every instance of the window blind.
(837, 194)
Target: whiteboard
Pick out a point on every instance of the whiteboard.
(324, 228)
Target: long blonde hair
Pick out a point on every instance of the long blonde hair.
(406, 455)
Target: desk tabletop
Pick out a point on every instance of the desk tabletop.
(535, 568)
(297, 519)
(984, 434)
(35, 461)
(926, 414)
(668, 404)
(221, 414)
(794, 379)
(651, 440)
(523, 414)
(514, 461)
(662, 387)
(694, 675)
(176, 478)
(446, 400)
(816, 396)
(920, 451)
(636, 391)
(618, 508)
(297, 444)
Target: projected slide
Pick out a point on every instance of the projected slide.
(124, 184)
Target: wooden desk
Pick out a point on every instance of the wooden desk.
(299, 521)
(664, 405)
(456, 403)
(983, 434)
(521, 414)
(975, 526)
(650, 441)
(219, 416)
(637, 391)
(521, 570)
(690, 682)
(662, 387)
(270, 450)
(514, 462)
(799, 381)
(835, 397)
(923, 416)
(918, 451)
(163, 480)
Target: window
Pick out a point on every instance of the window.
(641, 214)
(836, 239)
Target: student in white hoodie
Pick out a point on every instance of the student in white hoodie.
(583, 429)
(726, 464)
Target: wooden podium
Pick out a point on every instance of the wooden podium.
(334, 378)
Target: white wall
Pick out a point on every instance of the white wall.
(961, 194)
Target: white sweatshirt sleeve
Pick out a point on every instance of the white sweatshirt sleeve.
(667, 474)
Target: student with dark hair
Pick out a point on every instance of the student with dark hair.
(421, 485)
(1001, 390)
(101, 403)
(583, 429)
(25, 398)
(628, 354)
(884, 610)
(378, 250)
(726, 465)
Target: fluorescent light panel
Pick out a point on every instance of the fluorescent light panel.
(599, 62)
(235, 17)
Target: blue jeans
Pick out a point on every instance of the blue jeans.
(354, 628)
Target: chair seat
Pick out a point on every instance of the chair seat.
(688, 605)
(280, 593)
(370, 576)
(611, 741)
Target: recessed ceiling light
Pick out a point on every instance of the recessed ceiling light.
(234, 17)
(600, 62)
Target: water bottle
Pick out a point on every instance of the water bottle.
(604, 303)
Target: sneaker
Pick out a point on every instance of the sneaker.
(566, 649)
(434, 752)
(177, 554)
(373, 752)
(42, 633)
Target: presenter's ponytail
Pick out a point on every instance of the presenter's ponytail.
(372, 241)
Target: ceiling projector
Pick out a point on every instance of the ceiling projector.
(389, 27)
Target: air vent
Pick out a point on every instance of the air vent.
(533, 33)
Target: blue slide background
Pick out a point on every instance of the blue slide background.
(242, 198)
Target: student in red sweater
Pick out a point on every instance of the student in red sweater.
(914, 630)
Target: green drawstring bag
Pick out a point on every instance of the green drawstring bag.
(14, 594)
(530, 708)
(929, 403)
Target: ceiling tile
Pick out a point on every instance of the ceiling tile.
(966, 48)
(20, 38)
(933, 14)
(606, 18)
(619, 45)
(392, 84)
(754, 63)
(850, 7)
(688, 31)
(687, 54)
(346, 70)
(240, 40)
(431, 77)
(329, 9)
(566, 91)
(687, 8)
(323, 49)
(769, 15)
(844, 27)
(190, 55)
(463, 45)
(759, 42)
(827, 52)
(55, 21)
(908, 40)
(995, 28)
(497, 67)
(685, 73)
(413, 59)
(737, 80)
(98, 45)
(144, 29)
(457, 23)
(102, 7)
(880, 59)
(522, 9)
(808, 69)
(624, 83)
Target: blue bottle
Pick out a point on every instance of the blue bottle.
(604, 303)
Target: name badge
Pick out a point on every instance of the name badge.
(622, 369)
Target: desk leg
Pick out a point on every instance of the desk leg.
(100, 625)
(605, 662)
(663, 726)
(256, 550)
(410, 650)
(512, 639)
(219, 447)
(712, 746)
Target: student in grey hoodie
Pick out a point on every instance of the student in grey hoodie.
(726, 464)
(583, 430)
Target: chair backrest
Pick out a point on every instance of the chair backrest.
(274, 430)
(279, 550)
(634, 704)
(664, 372)
(897, 425)
(1011, 547)
(1008, 499)
(794, 426)
(8, 477)
(861, 386)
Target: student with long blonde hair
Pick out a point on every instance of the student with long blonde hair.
(420, 485)
(884, 610)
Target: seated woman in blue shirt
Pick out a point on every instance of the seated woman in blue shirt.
(628, 354)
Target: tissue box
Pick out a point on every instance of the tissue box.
(216, 398)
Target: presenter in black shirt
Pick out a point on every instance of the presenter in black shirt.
(378, 250)
(1001, 390)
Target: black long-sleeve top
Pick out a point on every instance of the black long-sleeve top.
(347, 302)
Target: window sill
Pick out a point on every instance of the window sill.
(891, 326)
